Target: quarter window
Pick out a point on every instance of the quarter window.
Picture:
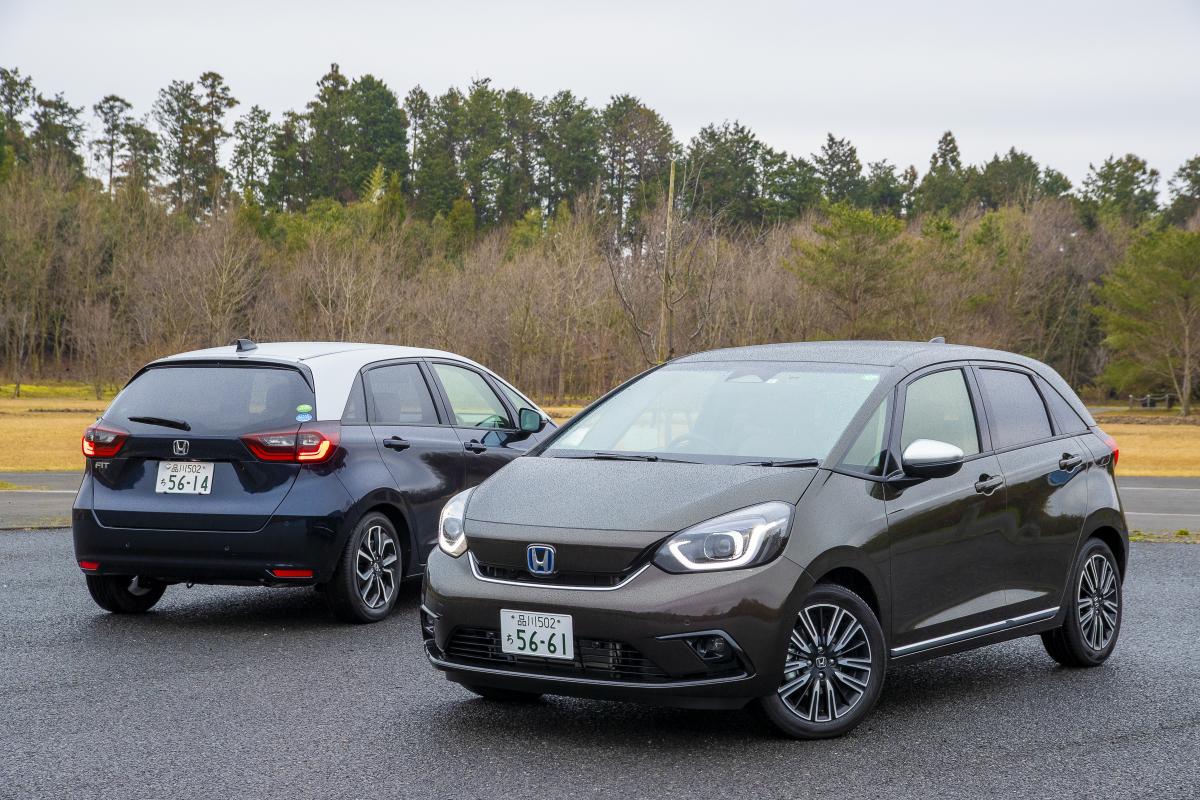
(1017, 413)
(868, 451)
(399, 396)
(938, 407)
(472, 402)
(1066, 417)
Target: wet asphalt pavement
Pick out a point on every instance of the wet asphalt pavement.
(237, 692)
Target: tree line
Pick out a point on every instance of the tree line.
(564, 243)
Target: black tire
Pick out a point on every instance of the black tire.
(863, 659)
(124, 594)
(1093, 611)
(346, 594)
(502, 695)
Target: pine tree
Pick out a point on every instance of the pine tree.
(379, 131)
(252, 153)
(113, 112)
(215, 101)
(57, 129)
(330, 139)
(180, 119)
(840, 171)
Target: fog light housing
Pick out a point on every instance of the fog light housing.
(713, 649)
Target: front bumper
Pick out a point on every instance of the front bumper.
(632, 642)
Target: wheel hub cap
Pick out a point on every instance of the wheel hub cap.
(828, 665)
(377, 567)
(1098, 602)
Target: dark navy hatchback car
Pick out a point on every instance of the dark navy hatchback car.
(324, 464)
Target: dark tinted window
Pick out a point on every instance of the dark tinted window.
(356, 405)
(938, 407)
(399, 396)
(215, 400)
(1017, 412)
(1066, 419)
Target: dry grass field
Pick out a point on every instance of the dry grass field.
(41, 432)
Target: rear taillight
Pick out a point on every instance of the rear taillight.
(103, 441)
(307, 446)
(1112, 445)
(89, 566)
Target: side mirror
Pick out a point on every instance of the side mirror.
(929, 458)
(530, 421)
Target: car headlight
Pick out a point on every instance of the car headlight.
(744, 538)
(452, 538)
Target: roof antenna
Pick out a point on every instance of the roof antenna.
(245, 345)
(934, 340)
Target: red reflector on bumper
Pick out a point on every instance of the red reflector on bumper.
(89, 566)
(292, 573)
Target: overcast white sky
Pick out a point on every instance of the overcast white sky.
(1070, 82)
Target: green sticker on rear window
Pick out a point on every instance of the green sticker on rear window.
(303, 408)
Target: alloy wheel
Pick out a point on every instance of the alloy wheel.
(1097, 602)
(828, 666)
(375, 567)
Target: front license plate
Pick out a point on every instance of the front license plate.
(184, 477)
(536, 633)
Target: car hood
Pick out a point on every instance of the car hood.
(627, 496)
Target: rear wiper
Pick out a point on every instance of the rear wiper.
(164, 422)
(628, 457)
(782, 462)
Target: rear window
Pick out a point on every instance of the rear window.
(214, 400)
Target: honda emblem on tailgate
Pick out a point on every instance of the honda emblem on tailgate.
(539, 558)
(180, 447)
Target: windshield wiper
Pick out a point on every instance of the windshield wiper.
(628, 457)
(163, 422)
(782, 462)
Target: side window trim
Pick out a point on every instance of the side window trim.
(897, 433)
(434, 396)
(445, 398)
(977, 366)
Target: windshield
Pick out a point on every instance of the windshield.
(727, 412)
(214, 401)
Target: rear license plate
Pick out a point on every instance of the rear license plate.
(184, 477)
(535, 633)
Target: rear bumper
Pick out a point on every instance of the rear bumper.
(654, 613)
(288, 541)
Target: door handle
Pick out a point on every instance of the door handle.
(1069, 461)
(988, 483)
(475, 447)
(396, 443)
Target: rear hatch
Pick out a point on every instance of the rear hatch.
(184, 464)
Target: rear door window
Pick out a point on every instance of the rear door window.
(473, 404)
(1016, 411)
(938, 407)
(214, 400)
(400, 396)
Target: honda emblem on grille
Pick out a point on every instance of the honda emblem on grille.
(180, 447)
(540, 559)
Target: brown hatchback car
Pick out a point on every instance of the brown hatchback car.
(775, 525)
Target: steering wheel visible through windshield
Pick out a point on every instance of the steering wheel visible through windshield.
(725, 412)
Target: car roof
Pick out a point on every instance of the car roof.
(296, 352)
(333, 365)
(904, 357)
